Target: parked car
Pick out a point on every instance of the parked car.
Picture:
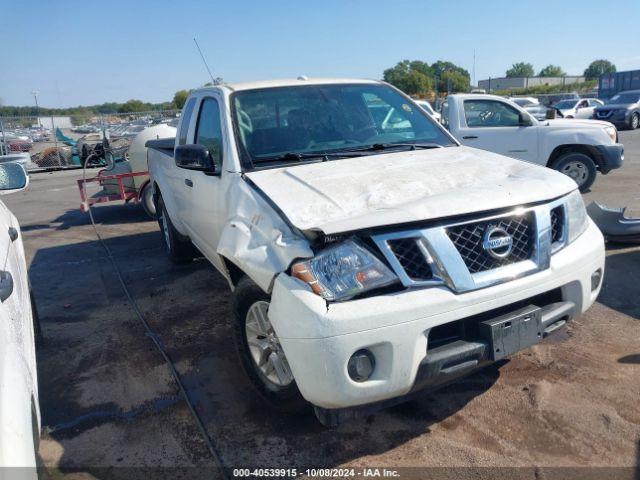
(550, 99)
(539, 111)
(577, 148)
(427, 108)
(623, 110)
(19, 409)
(582, 108)
(17, 145)
(367, 260)
(525, 101)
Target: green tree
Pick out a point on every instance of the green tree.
(180, 97)
(597, 68)
(410, 81)
(454, 81)
(520, 69)
(551, 71)
(134, 106)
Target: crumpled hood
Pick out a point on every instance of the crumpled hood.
(401, 187)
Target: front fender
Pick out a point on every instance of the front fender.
(257, 240)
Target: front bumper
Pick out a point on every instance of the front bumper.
(319, 338)
(611, 157)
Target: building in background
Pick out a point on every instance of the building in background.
(510, 83)
(611, 83)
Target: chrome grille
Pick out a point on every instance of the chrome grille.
(408, 253)
(468, 238)
(557, 224)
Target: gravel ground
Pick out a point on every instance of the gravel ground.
(109, 405)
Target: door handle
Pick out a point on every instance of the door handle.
(188, 182)
(13, 234)
(6, 285)
(469, 137)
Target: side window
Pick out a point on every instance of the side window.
(208, 130)
(582, 104)
(490, 113)
(186, 119)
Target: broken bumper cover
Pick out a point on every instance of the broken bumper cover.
(611, 157)
(319, 339)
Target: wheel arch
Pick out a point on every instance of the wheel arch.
(588, 150)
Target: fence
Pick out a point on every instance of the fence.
(62, 142)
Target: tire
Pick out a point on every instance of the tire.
(146, 200)
(278, 391)
(634, 122)
(178, 247)
(580, 167)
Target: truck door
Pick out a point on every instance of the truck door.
(180, 178)
(496, 126)
(207, 211)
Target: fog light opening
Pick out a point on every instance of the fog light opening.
(361, 365)
(596, 278)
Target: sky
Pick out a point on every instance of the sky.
(89, 52)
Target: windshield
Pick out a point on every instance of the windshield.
(629, 97)
(272, 122)
(565, 104)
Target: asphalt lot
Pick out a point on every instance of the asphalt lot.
(108, 401)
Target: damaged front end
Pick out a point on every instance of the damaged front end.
(614, 224)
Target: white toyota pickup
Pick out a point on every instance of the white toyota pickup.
(369, 257)
(578, 148)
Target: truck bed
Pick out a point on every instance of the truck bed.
(164, 145)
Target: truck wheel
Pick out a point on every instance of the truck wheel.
(579, 167)
(178, 247)
(634, 122)
(260, 352)
(146, 200)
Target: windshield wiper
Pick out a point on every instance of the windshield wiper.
(389, 146)
(298, 156)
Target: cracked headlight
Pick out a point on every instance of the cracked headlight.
(577, 219)
(612, 132)
(342, 271)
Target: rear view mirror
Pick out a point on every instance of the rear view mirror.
(525, 120)
(551, 114)
(13, 177)
(194, 157)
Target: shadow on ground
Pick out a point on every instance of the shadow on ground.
(621, 288)
(98, 369)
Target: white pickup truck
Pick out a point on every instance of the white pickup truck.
(367, 261)
(578, 148)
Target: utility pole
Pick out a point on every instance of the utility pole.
(35, 97)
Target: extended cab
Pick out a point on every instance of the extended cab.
(370, 255)
(577, 148)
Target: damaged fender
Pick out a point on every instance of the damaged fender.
(256, 239)
(613, 223)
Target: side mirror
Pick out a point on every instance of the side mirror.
(525, 120)
(194, 157)
(551, 114)
(13, 177)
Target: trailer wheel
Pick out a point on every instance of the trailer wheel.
(146, 200)
(260, 352)
(178, 247)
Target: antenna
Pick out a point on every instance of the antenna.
(205, 62)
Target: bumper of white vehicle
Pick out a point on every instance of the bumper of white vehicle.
(318, 339)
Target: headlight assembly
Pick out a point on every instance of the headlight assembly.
(577, 219)
(611, 131)
(342, 271)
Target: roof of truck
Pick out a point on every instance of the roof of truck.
(289, 82)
